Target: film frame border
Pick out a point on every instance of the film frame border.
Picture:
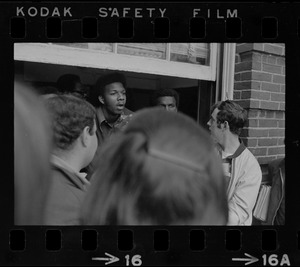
(288, 33)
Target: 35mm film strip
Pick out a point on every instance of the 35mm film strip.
(206, 52)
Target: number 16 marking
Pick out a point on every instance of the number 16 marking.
(135, 260)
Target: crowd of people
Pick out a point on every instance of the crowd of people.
(83, 158)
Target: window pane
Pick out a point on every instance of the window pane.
(153, 50)
(79, 45)
(94, 46)
(195, 53)
(101, 46)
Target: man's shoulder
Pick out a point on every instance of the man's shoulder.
(247, 153)
(99, 114)
(125, 117)
(248, 158)
(58, 174)
(277, 163)
(63, 177)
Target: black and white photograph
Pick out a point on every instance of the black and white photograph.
(150, 133)
(145, 134)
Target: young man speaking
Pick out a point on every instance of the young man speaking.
(112, 115)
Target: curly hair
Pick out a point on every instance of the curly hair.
(231, 112)
(70, 115)
(98, 88)
(147, 176)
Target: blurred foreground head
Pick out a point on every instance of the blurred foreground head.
(32, 145)
(161, 170)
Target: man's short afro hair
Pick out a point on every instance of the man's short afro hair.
(108, 79)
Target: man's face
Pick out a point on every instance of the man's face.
(167, 102)
(114, 98)
(215, 132)
(79, 90)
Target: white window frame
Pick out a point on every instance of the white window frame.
(72, 56)
(228, 71)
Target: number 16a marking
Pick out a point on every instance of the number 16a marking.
(274, 260)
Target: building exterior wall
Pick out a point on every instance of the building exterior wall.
(259, 87)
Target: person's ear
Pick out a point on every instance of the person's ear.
(101, 99)
(85, 136)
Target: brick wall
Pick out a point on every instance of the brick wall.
(259, 86)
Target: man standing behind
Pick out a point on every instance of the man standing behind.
(71, 84)
(112, 115)
(241, 169)
(75, 144)
(276, 209)
(166, 98)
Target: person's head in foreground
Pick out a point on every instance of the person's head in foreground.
(74, 129)
(166, 98)
(32, 148)
(161, 170)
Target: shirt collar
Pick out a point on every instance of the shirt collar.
(101, 117)
(239, 150)
(63, 164)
